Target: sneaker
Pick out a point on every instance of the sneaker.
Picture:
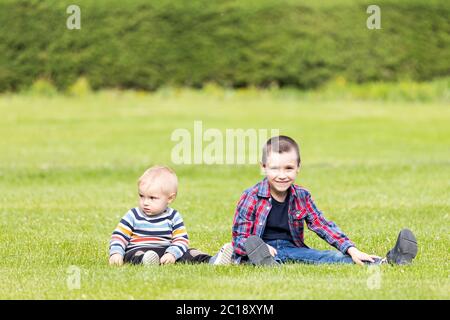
(377, 261)
(258, 252)
(223, 257)
(150, 258)
(405, 249)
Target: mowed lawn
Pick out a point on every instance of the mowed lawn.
(68, 171)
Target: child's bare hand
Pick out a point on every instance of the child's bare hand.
(167, 258)
(359, 257)
(116, 260)
(272, 250)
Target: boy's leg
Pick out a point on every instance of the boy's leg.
(404, 252)
(136, 256)
(194, 256)
(292, 253)
(223, 257)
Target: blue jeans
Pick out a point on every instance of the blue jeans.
(289, 252)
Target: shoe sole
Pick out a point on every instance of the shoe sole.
(224, 256)
(405, 249)
(150, 258)
(257, 251)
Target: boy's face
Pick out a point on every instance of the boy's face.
(152, 200)
(281, 169)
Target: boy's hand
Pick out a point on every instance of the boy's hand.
(272, 250)
(116, 260)
(359, 257)
(167, 258)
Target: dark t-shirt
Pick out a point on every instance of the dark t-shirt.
(277, 225)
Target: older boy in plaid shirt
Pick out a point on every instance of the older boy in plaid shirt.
(269, 219)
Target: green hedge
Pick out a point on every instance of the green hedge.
(146, 44)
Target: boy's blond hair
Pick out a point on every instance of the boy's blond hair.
(162, 175)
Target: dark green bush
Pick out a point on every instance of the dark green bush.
(147, 44)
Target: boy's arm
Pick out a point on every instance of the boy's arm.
(121, 235)
(180, 240)
(324, 228)
(242, 223)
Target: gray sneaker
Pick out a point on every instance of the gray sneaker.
(150, 258)
(258, 252)
(405, 249)
(223, 257)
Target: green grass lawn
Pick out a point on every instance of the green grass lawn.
(68, 171)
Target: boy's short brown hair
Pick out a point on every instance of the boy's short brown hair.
(280, 144)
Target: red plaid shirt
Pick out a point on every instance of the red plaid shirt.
(254, 207)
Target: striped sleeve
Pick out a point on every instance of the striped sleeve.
(122, 234)
(243, 222)
(180, 240)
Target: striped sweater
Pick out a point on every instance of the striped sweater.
(137, 230)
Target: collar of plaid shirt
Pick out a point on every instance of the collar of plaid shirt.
(264, 189)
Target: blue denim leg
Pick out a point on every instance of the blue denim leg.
(288, 252)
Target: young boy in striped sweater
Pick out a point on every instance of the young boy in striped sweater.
(153, 233)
